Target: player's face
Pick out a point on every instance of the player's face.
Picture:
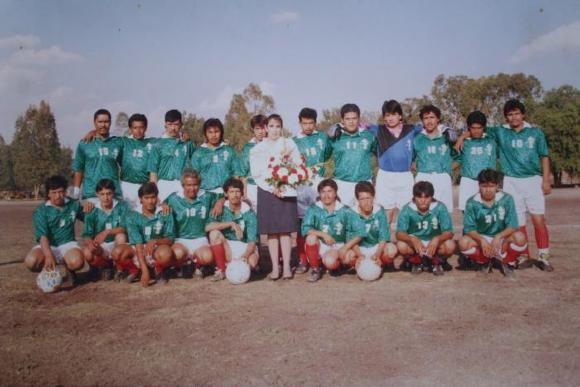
(138, 129)
(307, 125)
(365, 202)
(190, 187)
(392, 120)
(488, 191)
(259, 133)
(106, 197)
(234, 195)
(350, 122)
(212, 135)
(56, 196)
(149, 202)
(172, 128)
(476, 130)
(423, 202)
(274, 129)
(430, 122)
(327, 195)
(515, 119)
(102, 124)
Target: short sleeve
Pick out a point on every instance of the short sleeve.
(79, 160)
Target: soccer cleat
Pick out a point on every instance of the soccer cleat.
(507, 270)
(187, 270)
(198, 273)
(132, 277)
(218, 276)
(302, 268)
(416, 269)
(484, 269)
(438, 270)
(524, 262)
(334, 273)
(315, 275)
(107, 274)
(94, 274)
(389, 268)
(544, 262)
(119, 276)
(405, 265)
(162, 277)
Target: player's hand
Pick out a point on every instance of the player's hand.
(417, 245)
(49, 262)
(413, 167)
(496, 244)
(185, 136)
(217, 209)
(90, 136)
(145, 277)
(238, 230)
(328, 239)
(487, 248)
(460, 140)
(377, 258)
(150, 247)
(88, 206)
(431, 249)
(546, 187)
(100, 238)
(165, 209)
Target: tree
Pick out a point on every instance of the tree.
(192, 124)
(6, 173)
(121, 124)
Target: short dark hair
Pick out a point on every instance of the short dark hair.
(363, 186)
(101, 111)
(430, 109)
(55, 182)
(213, 123)
(513, 104)
(307, 113)
(349, 108)
(173, 115)
(105, 184)
(148, 189)
(275, 117)
(476, 117)
(423, 188)
(190, 173)
(327, 183)
(258, 120)
(232, 182)
(138, 117)
(392, 107)
(489, 176)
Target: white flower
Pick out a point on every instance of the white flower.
(283, 172)
(293, 179)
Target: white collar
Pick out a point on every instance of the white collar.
(526, 125)
(253, 141)
(98, 205)
(138, 139)
(302, 135)
(165, 135)
(245, 207)
(498, 196)
(139, 209)
(337, 206)
(206, 145)
(439, 130)
(49, 204)
(199, 193)
(432, 206)
(376, 208)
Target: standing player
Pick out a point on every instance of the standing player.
(234, 234)
(315, 146)
(490, 226)
(332, 230)
(258, 127)
(425, 231)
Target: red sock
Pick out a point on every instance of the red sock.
(313, 255)
(524, 230)
(415, 259)
(128, 265)
(300, 242)
(99, 262)
(476, 256)
(542, 237)
(219, 255)
(512, 254)
(435, 260)
(386, 259)
(159, 267)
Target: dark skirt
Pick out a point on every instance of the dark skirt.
(276, 215)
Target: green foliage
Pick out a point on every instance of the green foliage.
(6, 173)
(193, 125)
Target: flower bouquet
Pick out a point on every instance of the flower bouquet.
(287, 173)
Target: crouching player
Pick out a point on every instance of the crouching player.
(53, 223)
(104, 228)
(332, 230)
(376, 243)
(425, 230)
(233, 235)
(191, 208)
(490, 226)
(150, 238)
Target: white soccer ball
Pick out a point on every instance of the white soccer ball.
(49, 281)
(238, 272)
(368, 270)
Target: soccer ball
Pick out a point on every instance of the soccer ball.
(49, 281)
(238, 272)
(368, 270)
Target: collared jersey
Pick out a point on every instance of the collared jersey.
(316, 149)
(246, 219)
(98, 159)
(191, 217)
(432, 155)
(141, 229)
(490, 221)
(135, 159)
(243, 162)
(57, 224)
(376, 227)
(424, 226)
(168, 157)
(352, 155)
(99, 220)
(477, 154)
(214, 165)
(342, 224)
(520, 153)
(395, 154)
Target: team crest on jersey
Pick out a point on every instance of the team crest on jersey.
(531, 141)
(319, 143)
(149, 146)
(338, 228)
(226, 155)
(489, 149)
(157, 227)
(501, 212)
(444, 148)
(115, 152)
(242, 224)
(108, 226)
(147, 231)
(365, 143)
(435, 223)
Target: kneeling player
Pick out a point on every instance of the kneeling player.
(490, 226)
(376, 243)
(331, 230)
(233, 235)
(53, 223)
(424, 230)
(104, 228)
(150, 236)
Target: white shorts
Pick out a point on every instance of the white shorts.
(394, 189)
(108, 249)
(467, 188)
(306, 196)
(527, 194)
(131, 194)
(60, 251)
(237, 248)
(442, 184)
(148, 258)
(192, 244)
(167, 187)
(346, 192)
(252, 195)
(324, 248)
(368, 252)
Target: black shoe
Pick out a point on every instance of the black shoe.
(315, 275)
(405, 266)
(74, 279)
(438, 270)
(389, 268)
(334, 273)
(446, 265)
(108, 273)
(302, 268)
(162, 277)
(120, 276)
(508, 270)
(416, 269)
(94, 274)
(187, 270)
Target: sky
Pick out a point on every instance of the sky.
(152, 56)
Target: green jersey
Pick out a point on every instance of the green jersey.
(246, 219)
(424, 226)
(99, 220)
(376, 227)
(135, 158)
(343, 224)
(432, 155)
(141, 229)
(57, 224)
(316, 149)
(243, 162)
(490, 221)
(98, 159)
(352, 155)
(168, 157)
(191, 217)
(477, 154)
(520, 152)
(215, 166)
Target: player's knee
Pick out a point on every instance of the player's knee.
(33, 261)
(390, 251)
(311, 240)
(204, 256)
(253, 260)
(348, 259)
(330, 260)
(88, 255)
(519, 238)
(404, 248)
(163, 254)
(216, 237)
(74, 259)
(116, 253)
(179, 251)
(447, 248)
(465, 243)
